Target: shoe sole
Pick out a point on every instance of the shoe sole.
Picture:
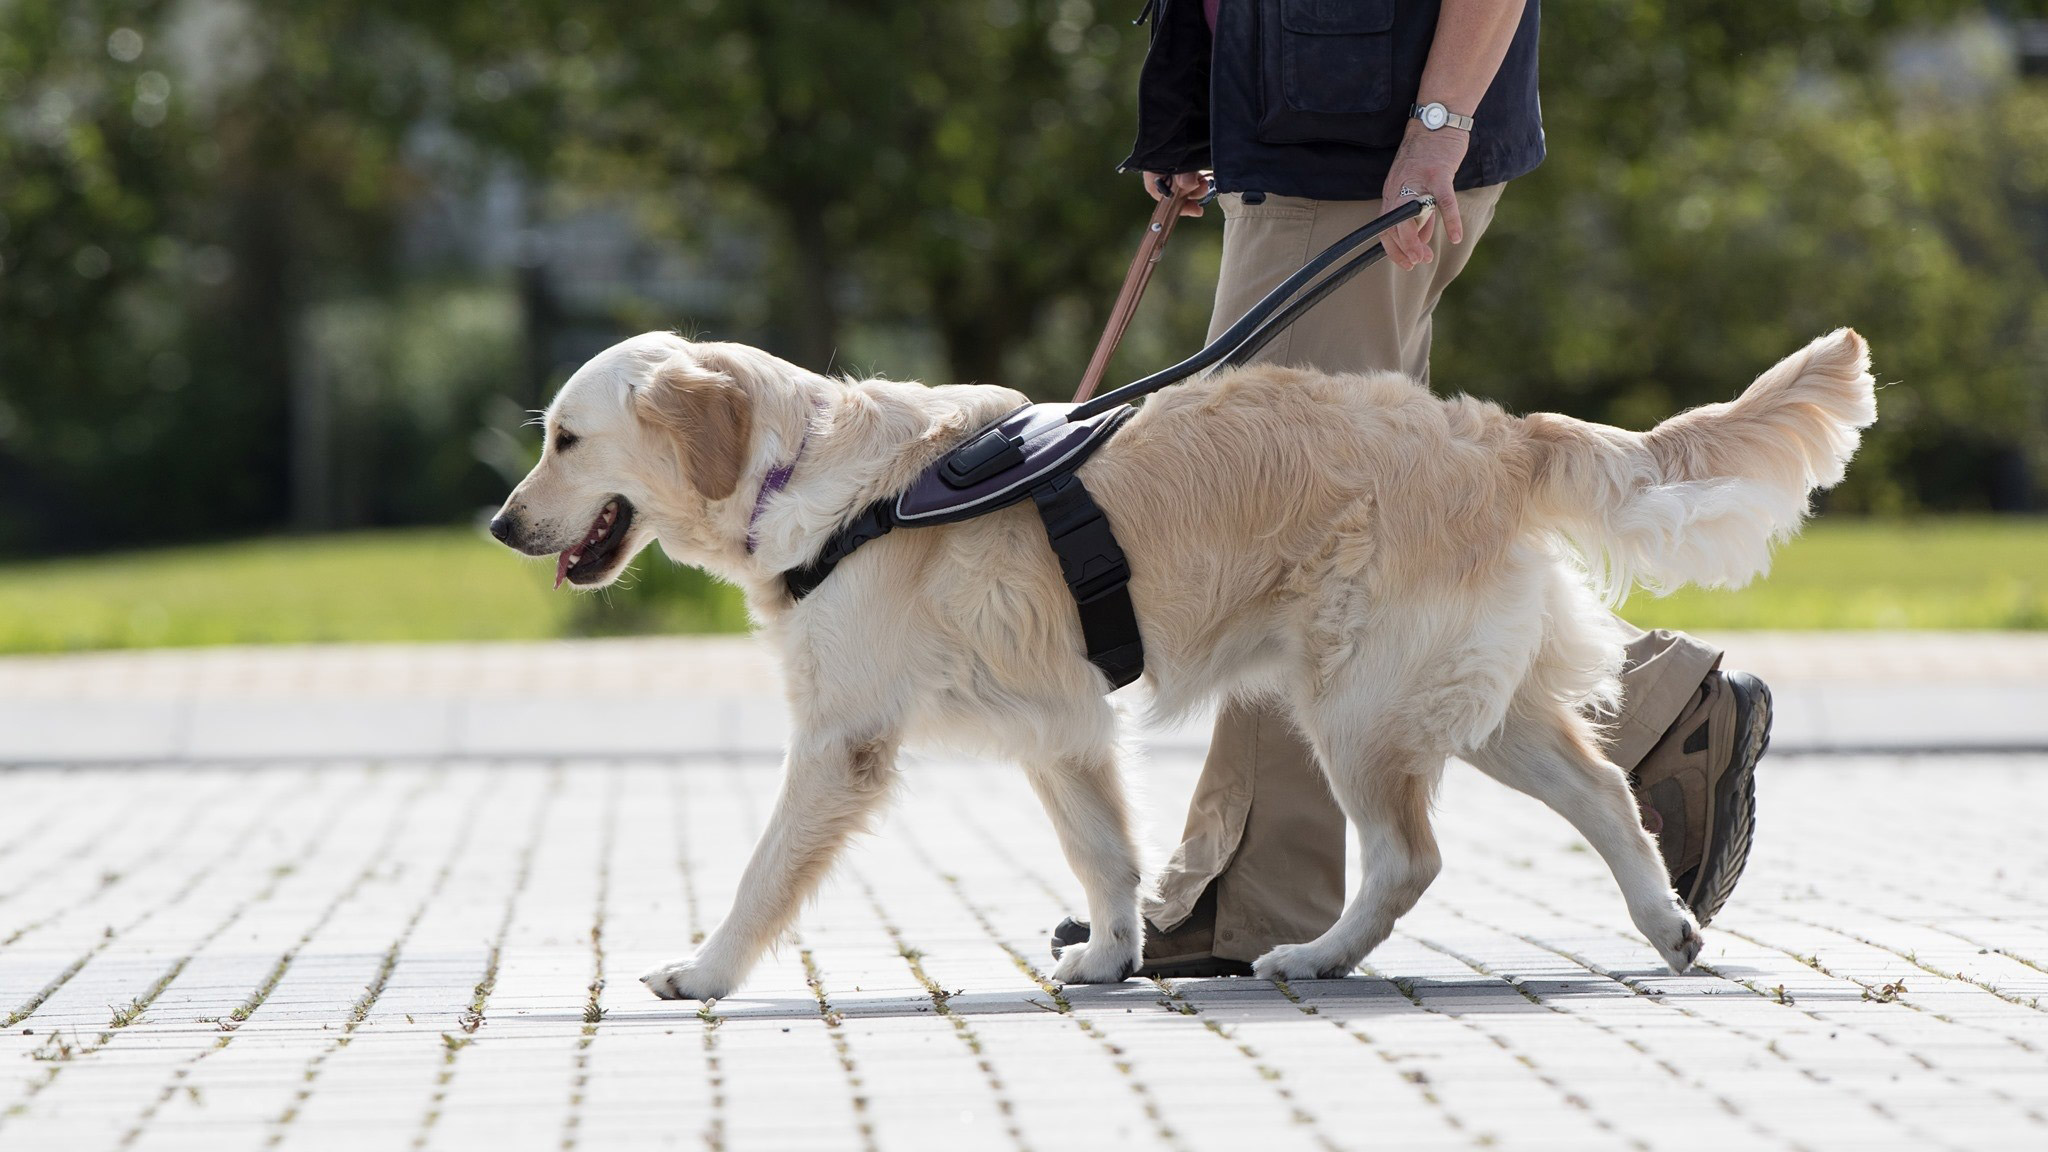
(1194, 969)
(1734, 808)
(1071, 931)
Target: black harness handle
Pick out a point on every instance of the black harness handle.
(1268, 318)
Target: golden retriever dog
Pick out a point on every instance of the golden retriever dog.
(1414, 578)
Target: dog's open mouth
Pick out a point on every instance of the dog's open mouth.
(593, 557)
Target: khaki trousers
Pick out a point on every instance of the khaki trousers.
(1262, 826)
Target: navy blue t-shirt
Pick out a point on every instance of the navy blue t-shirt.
(1311, 97)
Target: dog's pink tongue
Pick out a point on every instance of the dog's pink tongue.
(561, 569)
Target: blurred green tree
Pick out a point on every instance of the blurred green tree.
(181, 186)
(209, 323)
(1727, 180)
(908, 161)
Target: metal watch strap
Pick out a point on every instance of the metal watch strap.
(1451, 119)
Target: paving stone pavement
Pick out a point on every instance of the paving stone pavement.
(439, 952)
(1837, 692)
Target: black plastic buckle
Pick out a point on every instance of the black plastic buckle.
(1090, 559)
(987, 455)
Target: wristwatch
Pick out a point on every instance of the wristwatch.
(1434, 116)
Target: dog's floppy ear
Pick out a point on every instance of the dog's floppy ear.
(710, 416)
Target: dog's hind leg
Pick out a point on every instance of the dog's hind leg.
(1083, 793)
(1381, 773)
(1546, 750)
(831, 786)
(1385, 790)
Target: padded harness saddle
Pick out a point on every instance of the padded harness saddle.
(1035, 450)
(1032, 452)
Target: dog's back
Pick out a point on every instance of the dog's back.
(1270, 504)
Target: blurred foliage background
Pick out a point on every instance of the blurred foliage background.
(306, 267)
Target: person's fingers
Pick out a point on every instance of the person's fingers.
(1416, 235)
(1447, 207)
(1400, 248)
(1193, 183)
(1390, 242)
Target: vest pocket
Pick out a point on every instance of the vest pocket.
(1327, 72)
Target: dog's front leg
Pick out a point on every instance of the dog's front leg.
(1084, 795)
(829, 789)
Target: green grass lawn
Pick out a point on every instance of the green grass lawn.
(424, 584)
(1956, 572)
(453, 584)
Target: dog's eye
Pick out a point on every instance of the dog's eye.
(565, 440)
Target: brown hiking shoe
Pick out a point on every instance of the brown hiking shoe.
(1179, 953)
(1697, 788)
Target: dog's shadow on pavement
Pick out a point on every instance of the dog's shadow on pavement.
(1358, 995)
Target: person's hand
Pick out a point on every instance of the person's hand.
(1426, 163)
(1194, 184)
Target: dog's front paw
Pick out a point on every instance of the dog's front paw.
(1096, 963)
(1301, 962)
(1679, 942)
(686, 980)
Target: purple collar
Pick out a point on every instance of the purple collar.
(776, 480)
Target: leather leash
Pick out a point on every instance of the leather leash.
(1274, 312)
(1149, 250)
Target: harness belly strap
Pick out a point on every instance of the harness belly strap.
(1027, 453)
(1097, 575)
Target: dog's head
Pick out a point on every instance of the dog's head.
(645, 442)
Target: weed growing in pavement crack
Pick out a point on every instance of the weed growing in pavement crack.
(473, 1017)
(815, 977)
(816, 980)
(123, 1017)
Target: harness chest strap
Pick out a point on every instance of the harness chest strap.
(1092, 564)
(874, 522)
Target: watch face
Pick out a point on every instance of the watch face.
(1435, 116)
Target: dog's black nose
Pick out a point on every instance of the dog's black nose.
(501, 527)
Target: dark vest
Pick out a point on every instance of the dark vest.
(1311, 97)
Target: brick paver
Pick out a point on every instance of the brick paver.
(439, 953)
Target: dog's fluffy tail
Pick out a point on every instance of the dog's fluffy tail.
(1704, 496)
